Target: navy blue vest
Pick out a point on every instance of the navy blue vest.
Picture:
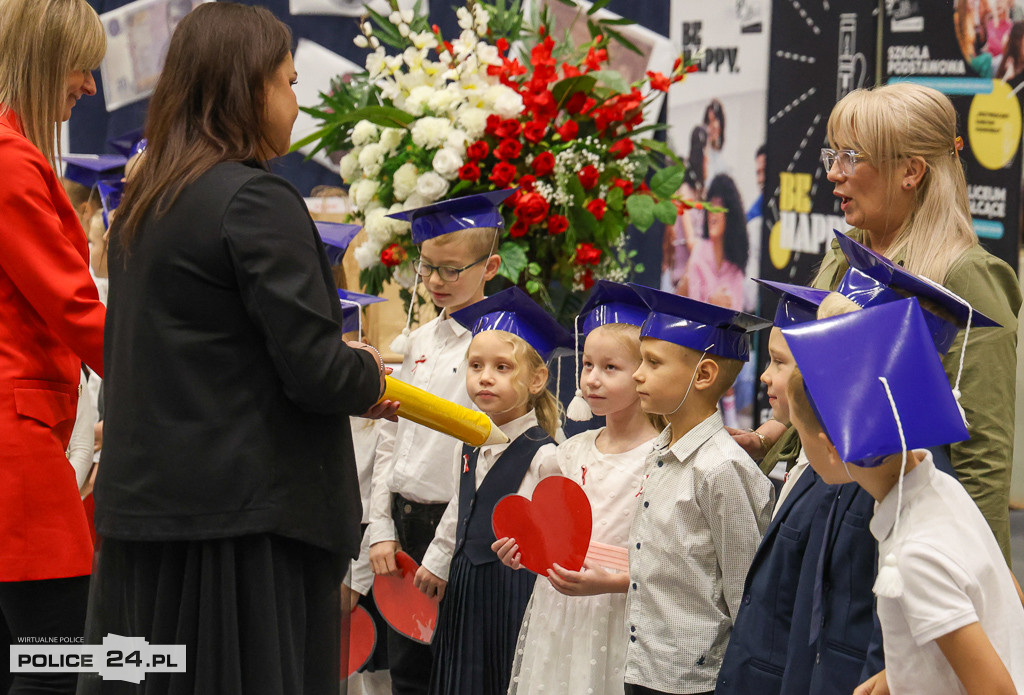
(475, 535)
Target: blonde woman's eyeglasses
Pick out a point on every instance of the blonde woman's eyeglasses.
(847, 160)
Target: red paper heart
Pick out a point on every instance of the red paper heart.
(553, 527)
(403, 606)
(362, 638)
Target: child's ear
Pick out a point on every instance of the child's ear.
(707, 374)
(830, 450)
(491, 267)
(538, 381)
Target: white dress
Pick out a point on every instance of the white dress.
(577, 645)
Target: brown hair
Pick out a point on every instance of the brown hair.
(208, 106)
(41, 43)
(478, 240)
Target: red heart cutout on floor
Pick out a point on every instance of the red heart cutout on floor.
(362, 639)
(553, 527)
(403, 606)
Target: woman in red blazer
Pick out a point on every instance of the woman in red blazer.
(51, 321)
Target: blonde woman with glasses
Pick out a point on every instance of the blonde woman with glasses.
(51, 321)
(894, 161)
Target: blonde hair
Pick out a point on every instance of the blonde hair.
(41, 43)
(835, 304)
(890, 124)
(478, 240)
(628, 336)
(527, 362)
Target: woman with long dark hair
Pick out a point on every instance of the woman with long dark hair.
(227, 498)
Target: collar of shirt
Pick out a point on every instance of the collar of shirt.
(512, 430)
(692, 440)
(450, 326)
(913, 482)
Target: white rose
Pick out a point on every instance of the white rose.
(473, 121)
(431, 186)
(508, 104)
(363, 132)
(404, 275)
(417, 99)
(457, 140)
(391, 139)
(367, 254)
(416, 201)
(446, 163)
(349, 165)
(376, 225)
(429, 133)
(362, 193)
(371, 159)
(443, 100)
(398, 227)
(404, 181)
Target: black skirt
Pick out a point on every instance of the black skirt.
(478, 627)
(258, 614)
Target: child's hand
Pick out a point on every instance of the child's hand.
(593, 580)
(429, 583)
(382, 558)
(876, 685)
(508, 552)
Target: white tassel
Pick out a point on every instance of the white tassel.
(401, 342)
(963, 347)
(889, 583)
(579, 410)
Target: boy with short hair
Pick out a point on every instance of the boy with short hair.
(703, 506)
(950, 611)
(413, 479)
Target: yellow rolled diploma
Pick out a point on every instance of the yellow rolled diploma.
(423, 408)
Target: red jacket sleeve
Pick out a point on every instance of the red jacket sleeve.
(41, 251)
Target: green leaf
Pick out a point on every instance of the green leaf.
(598, 4)
(564, 89)
(666, 182)
(614, 225)
(618, 21)
(513, 260)
(615, 198)
(534, 268)
(641, 211)
(665, 211)
(661, 148)
(612, 79)
(629, 45)
(313, 137)
(638, 268)
(385, 116)
(584, 222)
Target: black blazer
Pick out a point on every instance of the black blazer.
(228, 386)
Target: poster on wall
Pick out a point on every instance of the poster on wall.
(717, 124)
(351, 8)
(972, 51)
(820, 52)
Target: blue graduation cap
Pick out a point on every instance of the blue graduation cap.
(88, 169)
(612, 302)
(797, 304)
(873, 279)
(352, 304)
(845, 387)
(128, 144)
(336, 237)
(447, 216)
(698, 326)
(514, 312)
(110, 195)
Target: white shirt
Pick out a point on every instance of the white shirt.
(953, 575)
(702, 511)
(364, 443)
(415, 461)
(790, 480)
(545, 463)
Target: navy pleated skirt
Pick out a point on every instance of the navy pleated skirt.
(258, 614)
(478, 627)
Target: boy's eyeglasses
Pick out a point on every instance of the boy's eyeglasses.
(447, 273)
(847, 160)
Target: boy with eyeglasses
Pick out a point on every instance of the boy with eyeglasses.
(413, 479)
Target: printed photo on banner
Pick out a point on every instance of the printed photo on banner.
(137, 38)
(351, 8)
(718, 126)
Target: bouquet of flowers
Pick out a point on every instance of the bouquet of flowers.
(437, 118)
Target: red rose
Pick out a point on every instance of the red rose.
(532, 208)
(470, 171)
(623, 148)
(588, 176)
(508, 149)
(518, 229)
(502, 174)
(509, 128)
(576, 102)
(543, 164)
(557, 224)
(569, 130)
(527, 182)
(626, 186)
(597, 208)
(477, 151)
(393, 255)
(587, 254)
(493, 121)
(535, 131)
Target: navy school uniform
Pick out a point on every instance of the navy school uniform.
(482, 610)
(755, 659)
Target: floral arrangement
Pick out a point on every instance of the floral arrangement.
(438, 118)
